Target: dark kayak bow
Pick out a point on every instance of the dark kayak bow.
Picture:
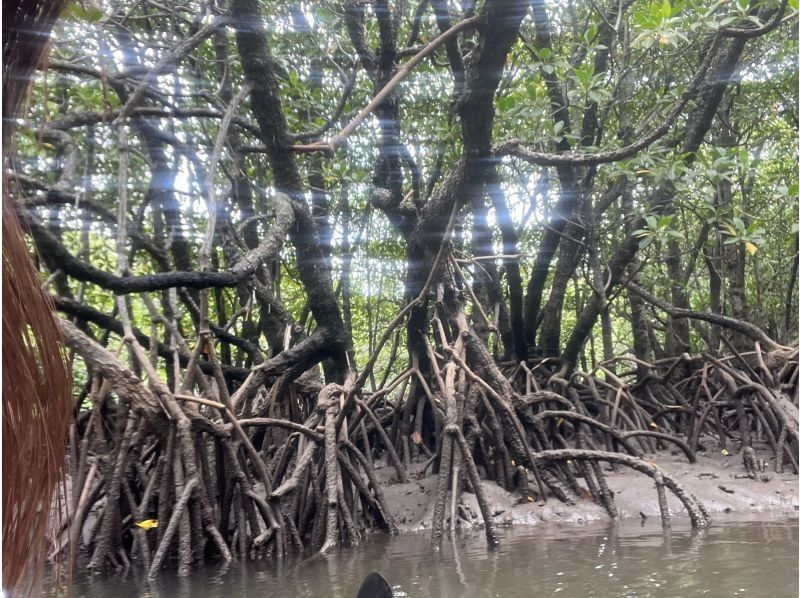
(375, 586)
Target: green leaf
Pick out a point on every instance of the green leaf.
(755, 228)
(666, 10)
(323, 15)
(77, 12)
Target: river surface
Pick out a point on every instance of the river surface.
(731, 558)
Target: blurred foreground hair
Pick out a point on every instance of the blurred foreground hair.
(36, 382)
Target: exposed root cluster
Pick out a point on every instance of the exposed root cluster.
(290, 468)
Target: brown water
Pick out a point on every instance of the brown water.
(732, 558)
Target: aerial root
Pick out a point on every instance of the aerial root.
(284, 478)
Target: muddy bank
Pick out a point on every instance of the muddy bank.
(718, 481)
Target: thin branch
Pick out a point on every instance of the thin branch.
(516, 147)
(339, 139)
(746, 328)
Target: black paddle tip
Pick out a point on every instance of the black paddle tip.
(375, 586)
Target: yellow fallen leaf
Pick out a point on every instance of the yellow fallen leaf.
(751, 248)
(654, 425)
(530, 499)
(559, 422)
(148, 524)
(725, 452)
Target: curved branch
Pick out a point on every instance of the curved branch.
(85, 118)
(339, 139)
(515, 147)
(281, 423)
(746, 328)
(669, 438)
(693, 506)
(170, 58)
(749, 33)
(121, 285)
(305, 354)
(590, 421)
(103, 361)
(60, 197)
(87, 313)
(543, 396)
(337, 113)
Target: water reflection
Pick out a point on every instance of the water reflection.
(617, 559)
